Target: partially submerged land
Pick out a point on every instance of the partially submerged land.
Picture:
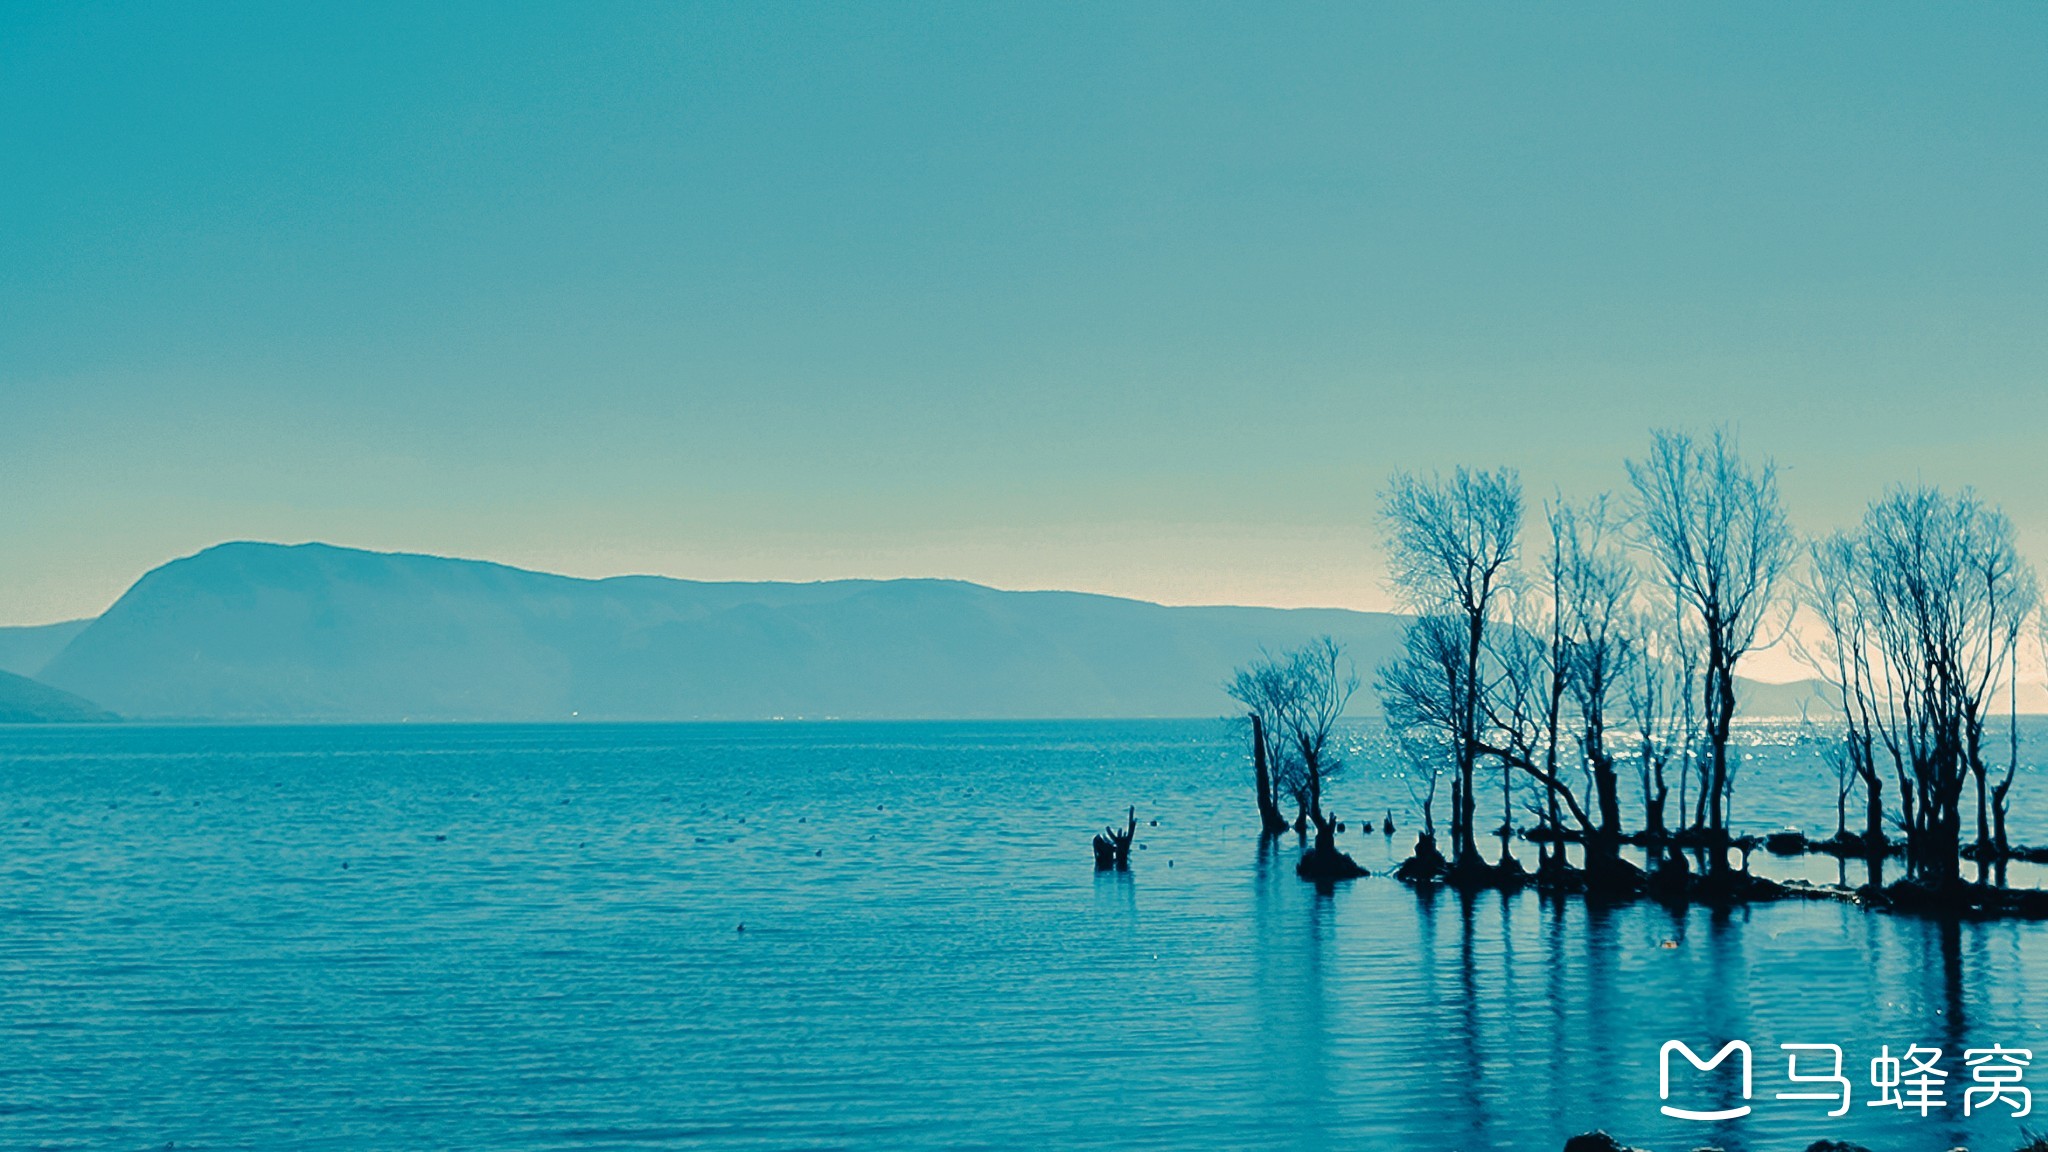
(1544, 682)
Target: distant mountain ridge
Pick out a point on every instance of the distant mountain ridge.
(26, 701)
(313, 632)
(25, 650)
(251, 631)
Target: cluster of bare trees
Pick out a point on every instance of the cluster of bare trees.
(1923, 609)
(1614, 651)
(1546, 678)
(1294, 702)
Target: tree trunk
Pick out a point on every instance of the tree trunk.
(1941, 864)
(1507, 815)
(1467, 846)
(1983, 822)
(1724, 720)
(1270, 821)
(1463, 847)
(2000, 846)
(1604, 846)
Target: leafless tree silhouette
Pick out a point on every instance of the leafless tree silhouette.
(1924, 606)
(1716, 534)
(1451, 544)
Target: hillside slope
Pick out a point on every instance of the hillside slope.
(24, 651)
(26, 701)
(264, 631)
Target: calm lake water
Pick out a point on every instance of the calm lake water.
(526, 938)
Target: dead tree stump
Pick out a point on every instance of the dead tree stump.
(1113, 848)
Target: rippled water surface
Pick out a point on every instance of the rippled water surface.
(529, 937)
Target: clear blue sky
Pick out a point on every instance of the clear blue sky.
(1145, 299)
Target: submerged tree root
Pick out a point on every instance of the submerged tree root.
(1324, 865)
(1677, 887)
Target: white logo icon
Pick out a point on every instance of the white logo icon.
(1664, 1078)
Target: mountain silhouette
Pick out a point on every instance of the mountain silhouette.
(253, 631)
(25, 650)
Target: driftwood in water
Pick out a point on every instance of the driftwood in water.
(1113, 848)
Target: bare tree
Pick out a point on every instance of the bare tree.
(1322, 683)
(1300, 696)
(1451, 544)
(1566, 647)
(1262, 687)
(1595, 586)
(1834, 592)
(1523, 709)
(2001, 797)
(1427, 761)
(1944, 596)
(1422, 694)
(1657, 697)
(1715, 529)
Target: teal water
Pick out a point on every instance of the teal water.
(527, 938)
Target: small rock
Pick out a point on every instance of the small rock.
(1835, 1146)
(1596, 1142)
